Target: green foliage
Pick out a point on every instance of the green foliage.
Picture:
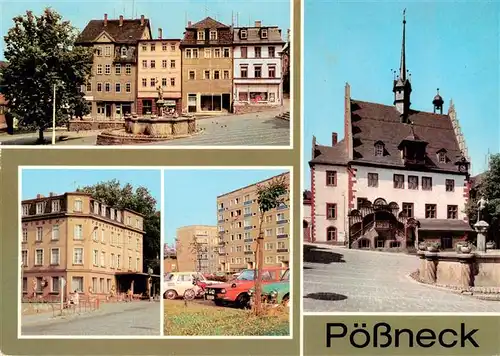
(41, 53)
(141, 201)
(272, 194)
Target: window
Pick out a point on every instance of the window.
(55, 232)
(172, 47)
(40, 208)
(213, 35)
(56, 206)
(98, 52)
(201, 35)
(118, 261)
(408, 209)
(55, 285)
(118, 69)
(25, 235)
(164, 63)
(124, 51)
(103, 236)
(39, 287)
(195, 52)
(107, 69)
(26, 210)
(144, 82)
(331, 233)
(153, 47)
(379, 149)
(226, 74)
(152, 82)
(280, 217)
(272, 72)
(103, 258)
(99, 69)
(188, 53)
(192, 75)
(137, 264)
(217, 53)
(450, 185)
(78, 235)
(373, 180)
(172, 82)
(24, 257)
(244, 71)
(128, 87)
(269, 260)
(77, 284)
(164, 46)
(243, 34)
(144, 64)
(54, 256)
(107, 87)
(25, 284)
(89, 87)
(144, 48)
(426, 183)
(153, 64)
(107, 51)
(244, 52)
(331, 211)
(172, 64)
(216, 74)
(257, 71)
(452, 211)
(163, 82)
(99, 87)
(272, 52)
(331, 178)
(226, 53)
(413, 182)
(95, 257)
(264, 33)
(442, 157)
(258, 52)
(94, 236)
(206, 74)
(430, 211)
(128, 69)
(138, 244)
(39, 233)
(39, 257)
(118, 87)
(399, 181)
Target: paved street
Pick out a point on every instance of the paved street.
(138, 318)
(255, 129)
(366, 281)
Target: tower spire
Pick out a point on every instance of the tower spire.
(402, 68)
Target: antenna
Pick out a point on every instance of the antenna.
(74, 186)
(133, 7)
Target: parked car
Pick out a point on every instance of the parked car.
(176, 284)
(275, 293)
(236, 291)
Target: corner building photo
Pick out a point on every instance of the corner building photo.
(399, 176)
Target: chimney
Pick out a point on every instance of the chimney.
(189, 23)
(142, 20)
(258, 23)
(334, 138)
(121, 20)
(105, 20)
(52, 194)
(39, 196)
(160, 33)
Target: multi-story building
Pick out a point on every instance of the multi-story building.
(306, 211)
(238, 228)
(197, 248)
(399, 176)
(285, 65)
(112, 89)
(75, 237)
(257, 67)
(207, 66)
(159, 64)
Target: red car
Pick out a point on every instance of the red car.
(236, 291)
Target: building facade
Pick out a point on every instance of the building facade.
(112, 89)
(197, 248)
(306, 212)
(80, 239)
(207, 67)
(258, 74)
(159, 64)
(398, 177)
(238, 229)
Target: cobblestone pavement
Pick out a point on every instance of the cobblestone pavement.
(138, 318)
(377, 282)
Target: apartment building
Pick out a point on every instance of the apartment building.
(78, 238)
(197, 248)
(111, 91)
(159, 64)
(207, 67)
(238, 229)
(258, 72)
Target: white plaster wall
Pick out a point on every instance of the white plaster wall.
(324, 194)
(306, 211)
(265, 61)
(438, 195)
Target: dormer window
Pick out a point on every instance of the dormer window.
(442, 157)
(124, 51)
(243, 34)
(379, 149)
(201, 35)
(263, 33)
(213, 35)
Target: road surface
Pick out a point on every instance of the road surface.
(366, 281)
(137, 318)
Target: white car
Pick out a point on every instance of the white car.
(176, 284)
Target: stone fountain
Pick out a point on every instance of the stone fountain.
(154, 128)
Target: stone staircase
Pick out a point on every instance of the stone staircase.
(284, 116)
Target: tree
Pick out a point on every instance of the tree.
(269, 196)
(489, 188)
(42, 55)
(196, 249)
(141, 201)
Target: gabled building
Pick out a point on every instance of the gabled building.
(207, 64)
(112, 89)
(399, 176)
(159, 64)
(258, 75)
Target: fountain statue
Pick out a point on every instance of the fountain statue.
(160, 103)
(481, 226)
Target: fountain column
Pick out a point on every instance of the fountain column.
(481, 228)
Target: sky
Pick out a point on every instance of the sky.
(453, 46)
(169, 15)
(191, 195)
(44, 181)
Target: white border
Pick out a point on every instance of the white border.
(290, 319)
(302, 173)
(193, 147)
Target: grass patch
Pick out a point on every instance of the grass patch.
(204, 320)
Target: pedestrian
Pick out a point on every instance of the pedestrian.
(129, 295)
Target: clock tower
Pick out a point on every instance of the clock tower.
(402, 85)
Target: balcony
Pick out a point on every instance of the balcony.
(281, 222)
(248, 252)
(247, 215)
(248, 227)
(129, 58)
(221, 221)
(248, 240)
(282, 236)
(248, 202)
(282, 207)
(282, 250)
(220, 210)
